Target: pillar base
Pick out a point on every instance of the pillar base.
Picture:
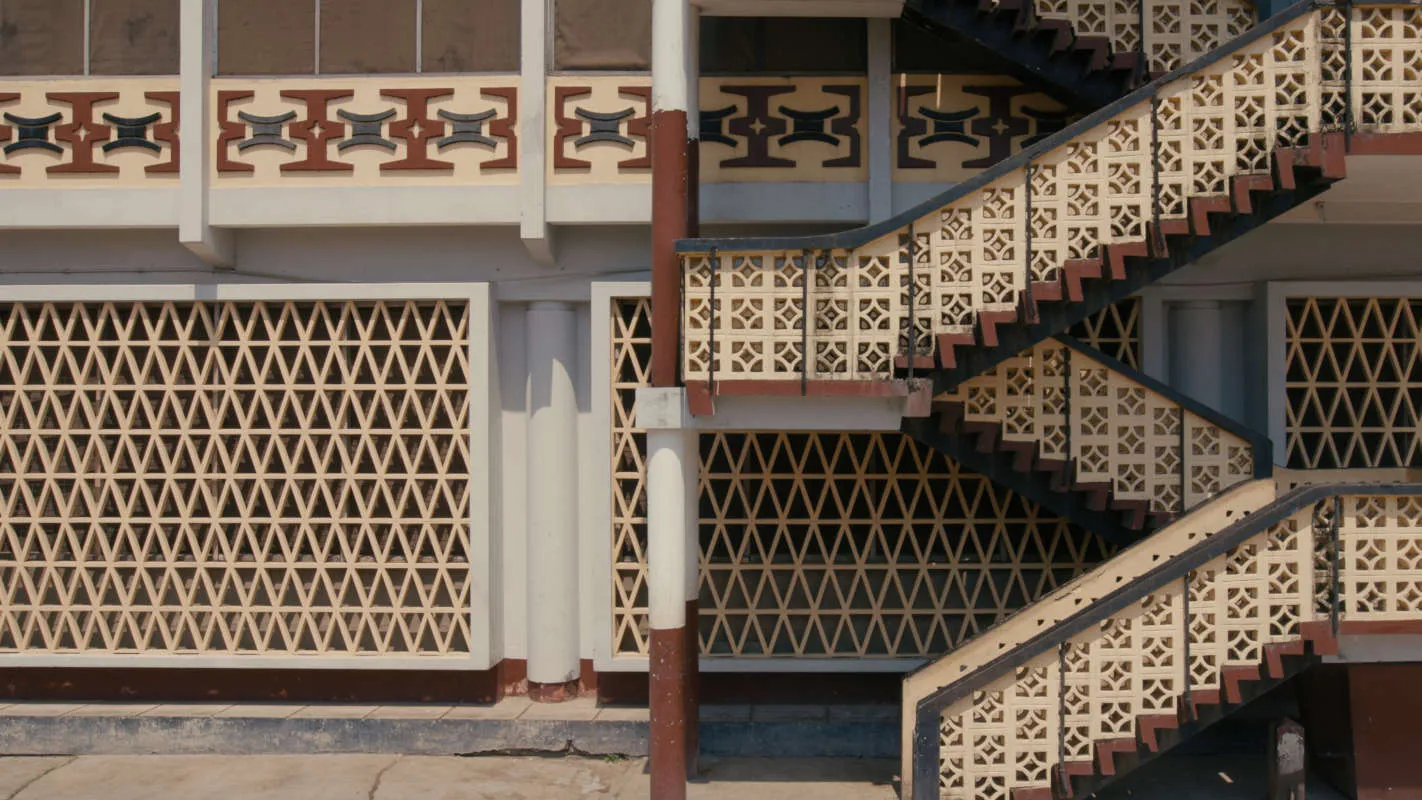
(553, 692)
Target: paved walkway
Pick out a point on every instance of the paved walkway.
(368, 777)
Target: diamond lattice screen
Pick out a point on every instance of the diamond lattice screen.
(1114, 330)
(229, 477)
(1352, 382)
(832, 544)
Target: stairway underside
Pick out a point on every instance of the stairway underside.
(1081, 71)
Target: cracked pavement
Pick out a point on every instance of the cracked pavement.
(390, 777)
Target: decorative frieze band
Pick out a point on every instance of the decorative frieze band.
(125, 133)
(464, 130)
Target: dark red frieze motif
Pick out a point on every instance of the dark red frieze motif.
(230, 131)
(567, 127)
(166, 133)
(639, 127)
(911, 127)
(417, 128)
(758, 127)
(847, 126)
(7, 133)
(505, 127)
(81, 133)
(317, 130)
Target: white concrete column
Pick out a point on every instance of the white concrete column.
(671, 504)
(1197, 352)
(879, 110)
(197, 63)
(552, 487)
(672, 549)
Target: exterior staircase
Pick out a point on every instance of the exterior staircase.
(1162, 641)
(1091, 439)
(981, 273)
(952, 302)
(1088, 53)
(959, 305)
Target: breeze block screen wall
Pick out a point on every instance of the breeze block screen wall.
(243, 477)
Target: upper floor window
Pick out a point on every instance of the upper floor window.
(602, 34)
(89, 37)
(783, 46)
(336, 37)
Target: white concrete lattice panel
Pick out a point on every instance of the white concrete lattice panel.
(245, 477)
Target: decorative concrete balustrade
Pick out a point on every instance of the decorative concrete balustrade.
(1086, 204)
(1076, 410)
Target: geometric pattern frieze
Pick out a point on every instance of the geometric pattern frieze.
(272, 478)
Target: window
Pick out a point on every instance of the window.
(602, 34)
(281, 37)
(125, 37)
(737, 45)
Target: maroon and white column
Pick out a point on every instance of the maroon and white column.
(672, 555)
(672, 456)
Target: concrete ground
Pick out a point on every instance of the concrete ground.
(374, 777)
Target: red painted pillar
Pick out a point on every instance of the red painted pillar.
(671, 518)
(1385, 703)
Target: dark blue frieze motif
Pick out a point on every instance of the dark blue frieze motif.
(266, 131)
(132, 132)
(32, 133)
(466, 129)
(604, 127)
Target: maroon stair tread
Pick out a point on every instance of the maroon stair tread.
(1098, 49)
(988, 322)
(1118, 253)
(1274, 656)
(1232, 677)
(1149, 725)
(986, 433)
(1202, 207)
(1106, 750)
(1024, 454)
(1243, 185)
(946, 344)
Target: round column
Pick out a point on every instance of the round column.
(552, 461)
(1196, 360)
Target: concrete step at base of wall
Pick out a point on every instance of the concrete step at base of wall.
(513, 726)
